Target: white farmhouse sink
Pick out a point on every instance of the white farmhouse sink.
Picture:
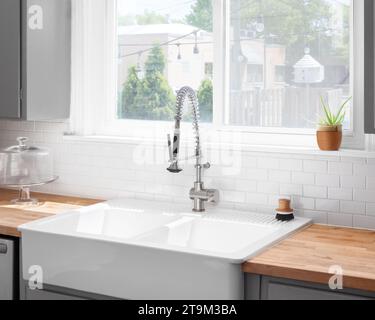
(135, 249)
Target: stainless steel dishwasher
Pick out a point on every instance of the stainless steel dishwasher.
(7, 269)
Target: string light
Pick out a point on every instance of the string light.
(139, 69)
(179, 56)
(196, 49)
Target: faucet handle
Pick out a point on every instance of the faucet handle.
(170, 148)
(207, 166)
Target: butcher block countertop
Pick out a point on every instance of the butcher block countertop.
(305, 256)
(12, 216)
(309, 255)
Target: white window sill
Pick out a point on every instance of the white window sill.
(343, 153)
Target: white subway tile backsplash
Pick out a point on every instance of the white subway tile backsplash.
(268, 187)
(255, 174)
(337, 219)
(303, 178)
(303, 203)
(358, 182)
(291, 164)
(327, 180)
(364, 195)
(364, 222)
(280, 176)
(340, 168)
(315, 166)
(233, 196)
(268, 163)
(327, 205)
(257, 198)
(242, 185)
(326, 187)
(291, 189)
(353, 207)
(317, 216)
(370, 209)
(370, 183)
(315, 191)
(340, 194)
(364, 170)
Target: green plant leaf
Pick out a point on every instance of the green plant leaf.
(327, 112)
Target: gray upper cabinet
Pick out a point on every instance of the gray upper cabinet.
(10, 59)
(35, 59)
(369, 67)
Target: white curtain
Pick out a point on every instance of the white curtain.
(93, 63)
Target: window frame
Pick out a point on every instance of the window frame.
(90, 118)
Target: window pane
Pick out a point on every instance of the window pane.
(163, 45)
(285, 56)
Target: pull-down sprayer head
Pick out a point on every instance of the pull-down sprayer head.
(174, 146)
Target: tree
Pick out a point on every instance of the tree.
(130, 92)
(151, 17)
(150, 98)
(126, 20)
(293, 23)
(201, 15)
(205, 98)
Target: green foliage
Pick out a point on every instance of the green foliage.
(126, 20)
(150, 98)
(151, 17)
(293, 23)
(156, 61)
(205, 98)
(333, 119)
(201, 15)
(148, 17)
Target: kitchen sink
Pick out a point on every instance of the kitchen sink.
(134, 249)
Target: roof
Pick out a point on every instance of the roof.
(307, 62)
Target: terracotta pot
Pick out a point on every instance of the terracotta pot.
(329, 138)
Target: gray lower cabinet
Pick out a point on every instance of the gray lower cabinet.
(45, 295)
(35, 59)
(268, 288)
(57, 293)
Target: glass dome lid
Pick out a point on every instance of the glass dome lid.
(22, 147)
(23, 166)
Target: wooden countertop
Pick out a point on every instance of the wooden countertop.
(308, 256)
(12, 216)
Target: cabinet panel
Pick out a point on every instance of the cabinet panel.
(46, 59)
(47, 295)
(277, 291)
(10, 63)
(284, 289)
(369, 67)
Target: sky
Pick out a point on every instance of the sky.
(175, 8)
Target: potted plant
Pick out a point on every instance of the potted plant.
(329, 132)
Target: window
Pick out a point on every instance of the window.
(258, 67)
(163, 46)
(254, 73)
(209, 70)
(298, 50)
(280, 74)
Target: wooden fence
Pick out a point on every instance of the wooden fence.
(289, 107)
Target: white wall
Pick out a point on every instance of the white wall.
(334, 189)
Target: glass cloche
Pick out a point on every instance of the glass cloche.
(24, 166)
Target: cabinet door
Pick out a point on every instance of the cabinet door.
(283, 289)
(46, 60)
(10, 62)
(369, 67)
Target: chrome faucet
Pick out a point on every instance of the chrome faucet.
(198, 193)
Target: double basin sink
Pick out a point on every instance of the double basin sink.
(134, 249)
